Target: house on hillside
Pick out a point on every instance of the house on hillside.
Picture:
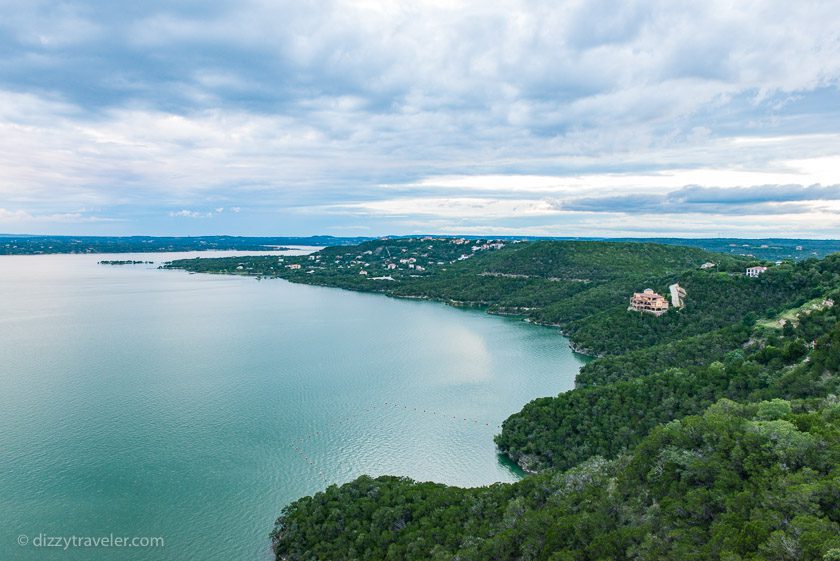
(707, 265)
(649, 302)
(755, 271)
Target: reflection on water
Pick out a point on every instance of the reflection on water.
(147, 402)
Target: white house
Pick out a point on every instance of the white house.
(677, 295)
(755, 271)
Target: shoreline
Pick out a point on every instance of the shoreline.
(451, 303)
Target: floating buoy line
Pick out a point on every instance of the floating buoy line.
(296, 444)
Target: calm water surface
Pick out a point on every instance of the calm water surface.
(141, 402)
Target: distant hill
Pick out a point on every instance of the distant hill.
(594, 261)
(770, 249)
(773, 249)
(27, 245)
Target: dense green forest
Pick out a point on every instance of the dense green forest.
(609, 418)
(697, 350)
(710, 432)
(754, 482)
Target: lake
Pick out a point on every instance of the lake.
(147, 403)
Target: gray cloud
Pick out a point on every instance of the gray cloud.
(566, 63)
(160, 107)
(757, 199)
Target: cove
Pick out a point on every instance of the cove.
(142, 402)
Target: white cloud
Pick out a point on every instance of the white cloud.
(17, 217)
(453, 207)
(470, 110)
(190, 214)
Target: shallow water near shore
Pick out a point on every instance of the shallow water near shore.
(147, 403)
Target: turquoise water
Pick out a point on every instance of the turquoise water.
(148, 403)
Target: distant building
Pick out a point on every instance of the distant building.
(486, 246)
(363, 273)
(677, 295)
(293, 266)
(391, 266)
(649, 302)
(755, 271)
(707, 265)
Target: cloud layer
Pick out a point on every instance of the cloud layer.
(755, 200)
(384, 117)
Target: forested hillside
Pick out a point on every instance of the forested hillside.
(710, 432)
(611, 417)
(582, 287)
(752, 481)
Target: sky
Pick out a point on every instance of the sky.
(366, 118)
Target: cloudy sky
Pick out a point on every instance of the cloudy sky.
(360, 117)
